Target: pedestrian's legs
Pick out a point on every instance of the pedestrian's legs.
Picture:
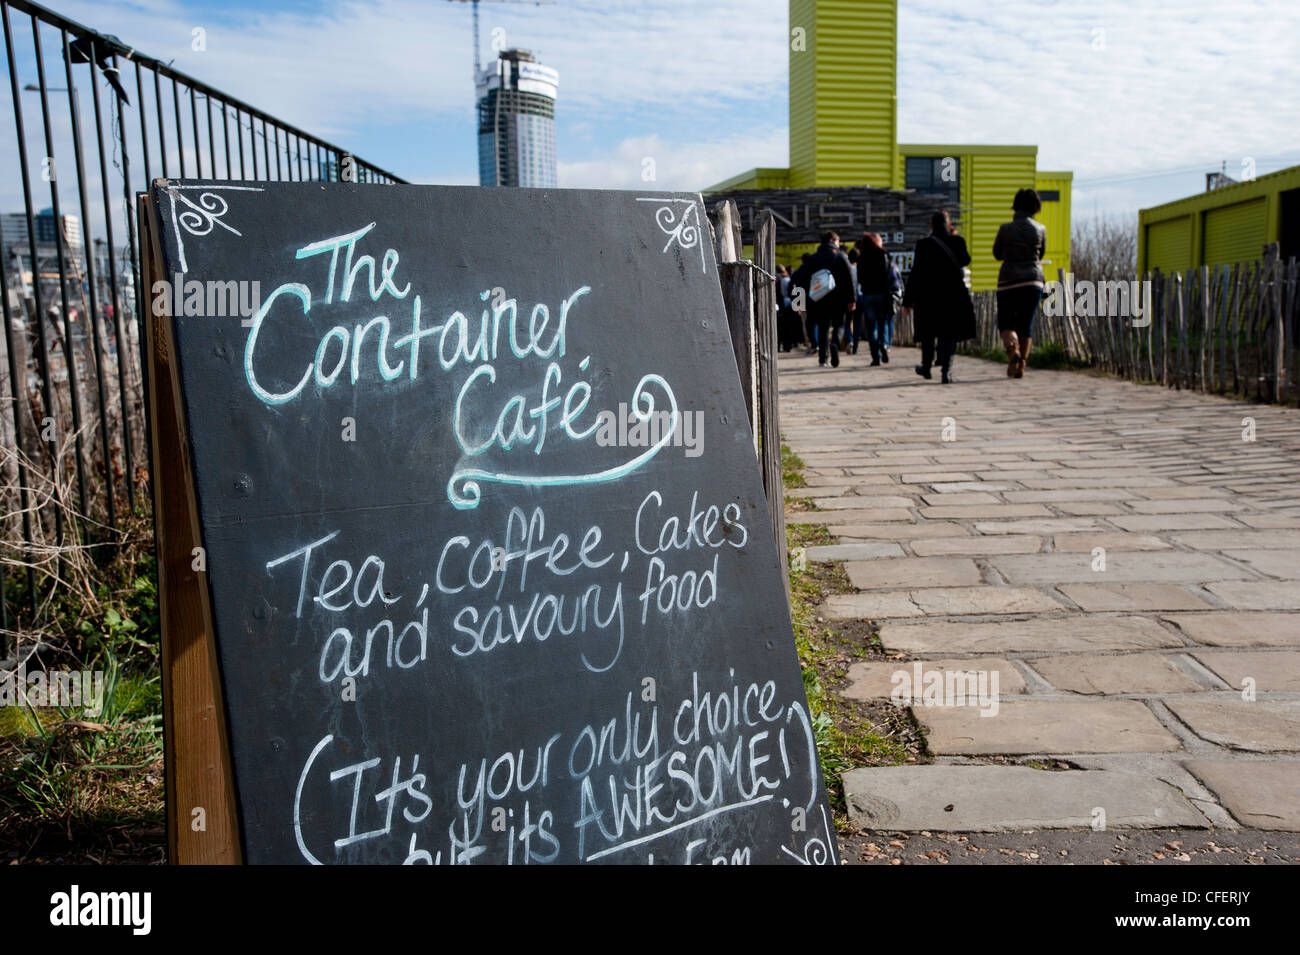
(1011, 343)
(871, 323)
(825, 340)
(927, 351)
(885, 338)
(834, 336)
(947, 347)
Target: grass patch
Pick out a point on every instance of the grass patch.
(849, 734)
(84, 783)
(1052, 356)
(791, 469)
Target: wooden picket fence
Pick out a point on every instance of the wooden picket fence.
(1232, 330)
(749, 296)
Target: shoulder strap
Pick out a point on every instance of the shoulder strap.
(946, 251)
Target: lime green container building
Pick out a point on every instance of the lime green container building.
(1222, 226)
(843, 132)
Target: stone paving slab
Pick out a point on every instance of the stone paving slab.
(1028, 727)
(1257, 594)
(1074, 543)
(1274, 671)
(976, 546)
(1062, 635)
(1184, 506)
(912, 572)
(1260, 726)
(1179, 493)
(1005, 798)
(824, 490)
(939, 602)
(1129, 673)
(1227, 540)
(1273, 521)
(1109, 494)
(1126, 597)
(1260, 793)
(1230, 629)
(899, 531)
(1159, 523)
(874, 679)
(959, 498)
(985, 512)
(856, 502)
(1169, 566)
(871, 550)
(1050, 525)
(861, 516)
(1274, 563)
(1088, 509)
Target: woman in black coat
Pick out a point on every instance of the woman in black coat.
(937, 296)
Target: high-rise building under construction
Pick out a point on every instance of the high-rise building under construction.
(516, 122)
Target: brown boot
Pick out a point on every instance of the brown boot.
(1012, 346)
(1024, 358)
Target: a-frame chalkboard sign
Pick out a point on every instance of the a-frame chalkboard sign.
(464, 550)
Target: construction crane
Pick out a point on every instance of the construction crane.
(478, 63)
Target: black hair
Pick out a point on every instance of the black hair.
(939, 221)
(829, 237)
(1027, 202)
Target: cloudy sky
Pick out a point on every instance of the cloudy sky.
(1139, 98)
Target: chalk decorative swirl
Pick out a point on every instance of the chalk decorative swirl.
(198, 216)
(680, 224)
(464, 490)
(815, 850)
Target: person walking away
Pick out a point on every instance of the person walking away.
(854, 331)
(806, 318)
(873, 277)
(1019, 246)
(788, 327)
(895, 301)
(937, 297)
(827, 294)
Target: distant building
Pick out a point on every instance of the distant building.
(516, 122)
(13, 230)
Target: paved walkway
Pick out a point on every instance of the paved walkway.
(1119, 558)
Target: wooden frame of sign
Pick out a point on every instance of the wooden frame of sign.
(202, 820)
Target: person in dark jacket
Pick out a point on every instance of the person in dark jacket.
(1019, 246)
(877, 307)
(788, 327)
(937, 296)
(825, 284)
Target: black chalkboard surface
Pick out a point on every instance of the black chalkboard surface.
(488, 559)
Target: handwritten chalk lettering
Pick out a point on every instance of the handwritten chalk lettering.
(463, 563)
(508, 775)
(733, 753)
(541, 617)
(685, 591)
(728, 748)
(457, 341)
(410, 789)
(700, 529)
